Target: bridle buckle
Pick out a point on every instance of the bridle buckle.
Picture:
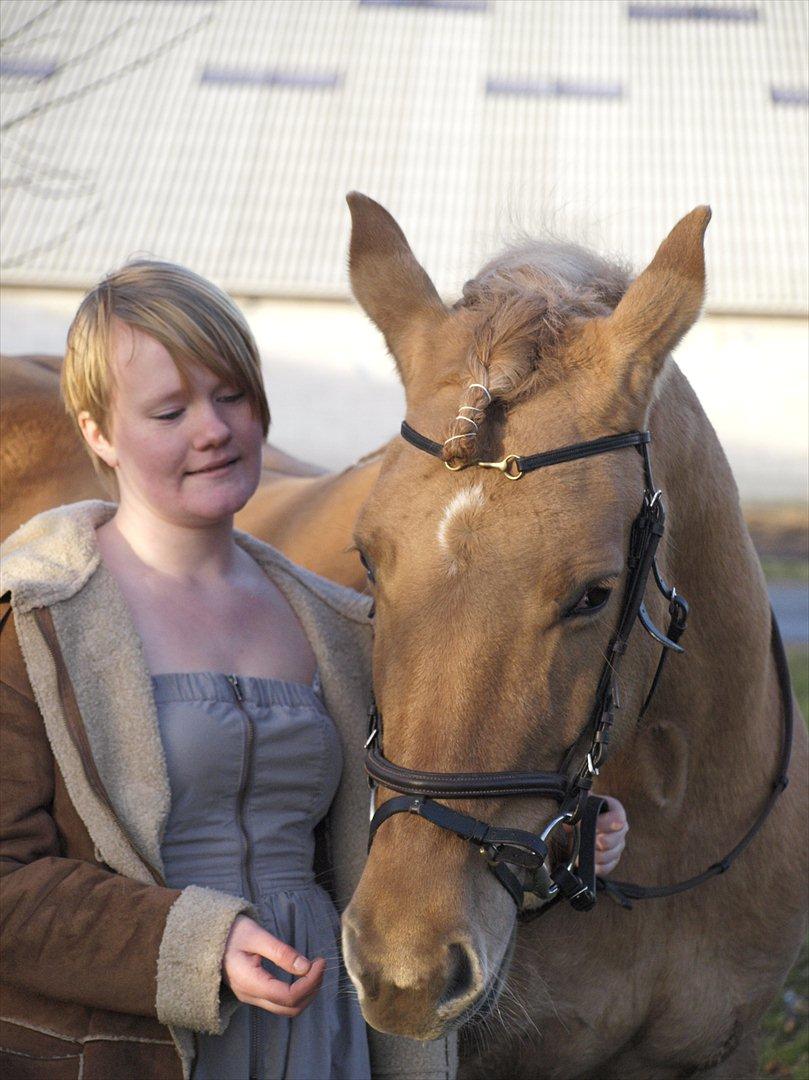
(508, 466)
(504, 466)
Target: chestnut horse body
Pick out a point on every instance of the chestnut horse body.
(489, 644)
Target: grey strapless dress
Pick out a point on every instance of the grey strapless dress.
(253, 765)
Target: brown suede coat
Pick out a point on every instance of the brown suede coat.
(106, 972)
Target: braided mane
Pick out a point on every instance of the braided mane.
(520, 305)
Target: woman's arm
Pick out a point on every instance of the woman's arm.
(71, 930)
(74, 930)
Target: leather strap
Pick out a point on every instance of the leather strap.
(498, 845)
(548, 457)
(439, 785)
(625, 892)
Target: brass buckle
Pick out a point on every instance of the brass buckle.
(505, 466)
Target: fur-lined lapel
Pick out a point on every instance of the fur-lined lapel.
(104, 656)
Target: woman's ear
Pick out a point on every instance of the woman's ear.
(96, 439)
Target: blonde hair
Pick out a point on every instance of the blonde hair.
(195, 321)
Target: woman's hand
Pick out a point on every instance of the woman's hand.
(247, 945)
(611, 831)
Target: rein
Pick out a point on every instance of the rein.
(520, 860)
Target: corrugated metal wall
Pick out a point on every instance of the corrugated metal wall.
(225, 135)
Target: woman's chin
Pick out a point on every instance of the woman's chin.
(217, 504)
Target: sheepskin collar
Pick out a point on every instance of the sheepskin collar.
(53, 561)
(53, 555)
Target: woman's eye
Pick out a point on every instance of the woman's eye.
(591, 600)
(235, 396)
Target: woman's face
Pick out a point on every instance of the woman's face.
(189, 453)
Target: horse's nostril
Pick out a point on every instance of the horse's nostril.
(461, 974)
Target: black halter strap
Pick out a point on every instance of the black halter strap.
(537, 461)
(574, 880)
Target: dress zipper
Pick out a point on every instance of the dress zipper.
(248, 885)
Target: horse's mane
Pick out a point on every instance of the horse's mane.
(519, 306)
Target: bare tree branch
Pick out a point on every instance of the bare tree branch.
(21, 29)
(88, 88)
(24, 156)
(94, 48)
(19, 260)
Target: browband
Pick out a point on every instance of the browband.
(537, 461)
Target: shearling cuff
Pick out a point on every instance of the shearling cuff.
(189, 964)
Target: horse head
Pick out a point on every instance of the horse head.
(496, 600)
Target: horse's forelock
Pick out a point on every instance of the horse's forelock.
(520, 305)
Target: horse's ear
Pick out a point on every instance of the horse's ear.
(661, 305)
(388, 281)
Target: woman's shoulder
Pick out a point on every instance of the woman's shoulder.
(290, 577)
(51, 557)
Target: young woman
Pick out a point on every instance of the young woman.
(182, 707)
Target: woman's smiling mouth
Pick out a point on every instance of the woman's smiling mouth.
(216, 468)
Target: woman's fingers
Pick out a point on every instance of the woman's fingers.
(247, 945)
(610, 841)
(614, 817)
(255, 986)
(611, 833)
(254, 939)
(278, 1010)
(609, 865)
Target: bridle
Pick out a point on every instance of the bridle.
(520, 860)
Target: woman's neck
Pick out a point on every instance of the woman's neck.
(182, 552)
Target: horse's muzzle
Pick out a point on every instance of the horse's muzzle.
(407, 988)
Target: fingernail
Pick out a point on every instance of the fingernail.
(616, 825)
(301, 965)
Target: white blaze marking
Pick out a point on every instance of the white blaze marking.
(467, 501)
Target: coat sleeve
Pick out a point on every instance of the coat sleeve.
(74, 930)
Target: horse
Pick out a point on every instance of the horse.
(497, 594)
(304, 511)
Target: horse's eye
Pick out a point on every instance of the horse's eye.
(368, 568)
(591, 600)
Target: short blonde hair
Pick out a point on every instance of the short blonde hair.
(195, 321)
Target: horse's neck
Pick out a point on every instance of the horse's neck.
(712, 734)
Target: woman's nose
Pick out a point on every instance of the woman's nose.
(211, 429)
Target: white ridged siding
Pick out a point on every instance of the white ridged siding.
(245, 183)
